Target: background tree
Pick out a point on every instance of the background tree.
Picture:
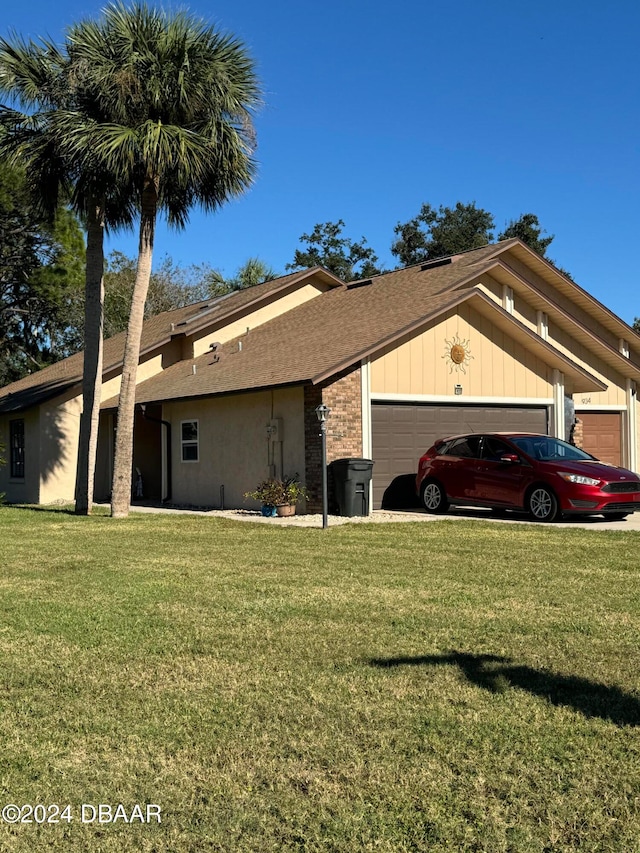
(174, 105)
(253, 271)
(527, 228)
(636, 325)
(40, 279)
(438, 233)
(326, 247)
(171, 286)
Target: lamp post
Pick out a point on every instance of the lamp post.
(323, 413)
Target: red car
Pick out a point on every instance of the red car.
(523, 471)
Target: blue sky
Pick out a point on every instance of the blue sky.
(372, 109)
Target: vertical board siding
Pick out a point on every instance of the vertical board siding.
(495, 366)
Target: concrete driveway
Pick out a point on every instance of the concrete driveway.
(596, 522)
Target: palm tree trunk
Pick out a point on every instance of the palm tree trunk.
(123, 461)
(92, 370)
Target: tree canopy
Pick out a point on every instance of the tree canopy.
(41, 279)
(326, 247)
(445, 231)
(528, 229)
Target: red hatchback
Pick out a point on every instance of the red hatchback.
(523, 471)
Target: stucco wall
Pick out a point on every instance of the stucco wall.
(146, 369)
(234, 450)
(25, 490)
(51, 447)
(279, 306)
(59, 430)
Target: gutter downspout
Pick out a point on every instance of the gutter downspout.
(167, 426)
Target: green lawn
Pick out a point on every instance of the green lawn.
(455, 686)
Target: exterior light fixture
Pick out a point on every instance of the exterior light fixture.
(323, 412)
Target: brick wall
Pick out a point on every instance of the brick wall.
(342, 394)
(577, 433)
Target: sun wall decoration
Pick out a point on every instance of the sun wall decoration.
(457, 354)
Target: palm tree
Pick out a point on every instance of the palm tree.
(175, 100)
(253, 271)
(42, 79)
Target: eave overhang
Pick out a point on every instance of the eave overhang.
(215, 313)
(503, 273)
(581, 379)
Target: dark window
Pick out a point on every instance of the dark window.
(468, 447)
(16, 448)
(494, 449)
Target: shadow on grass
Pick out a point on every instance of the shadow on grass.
(497, 674)
(65, 509)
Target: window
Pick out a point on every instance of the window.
(189, 439)
(494, 449)
(468, 447)
(16, 448)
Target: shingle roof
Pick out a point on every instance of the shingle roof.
(54, 380)
(325, 334)
(308, 343)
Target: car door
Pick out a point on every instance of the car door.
(499, 482)
(457, 467)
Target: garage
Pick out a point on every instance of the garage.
(402, 432)
(602, 435)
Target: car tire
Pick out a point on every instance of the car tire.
(542, 504)
(433, 497)
(616, 516)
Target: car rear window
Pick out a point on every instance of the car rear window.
(467, 447)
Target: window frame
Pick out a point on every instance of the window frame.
(190, 442)
(453, 449)
(17, 449)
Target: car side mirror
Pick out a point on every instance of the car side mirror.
(511, 458)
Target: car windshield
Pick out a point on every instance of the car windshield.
(547, 449)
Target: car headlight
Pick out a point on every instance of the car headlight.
(580, 479)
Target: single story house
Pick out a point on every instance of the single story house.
(491, 339)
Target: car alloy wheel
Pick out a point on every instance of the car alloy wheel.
(434, 498)
(542, 504)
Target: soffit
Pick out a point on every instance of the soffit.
(504, 274)
(581, 379)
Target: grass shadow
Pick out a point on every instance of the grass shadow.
(61, 509)
(497, 674)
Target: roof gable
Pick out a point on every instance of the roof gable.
(157, 331)
(326, 334)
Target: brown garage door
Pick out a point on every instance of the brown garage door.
(603, 435)
(401, 434)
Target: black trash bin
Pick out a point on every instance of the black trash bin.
(351, 483)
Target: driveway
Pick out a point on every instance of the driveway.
(597, 522)
(379, 516)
